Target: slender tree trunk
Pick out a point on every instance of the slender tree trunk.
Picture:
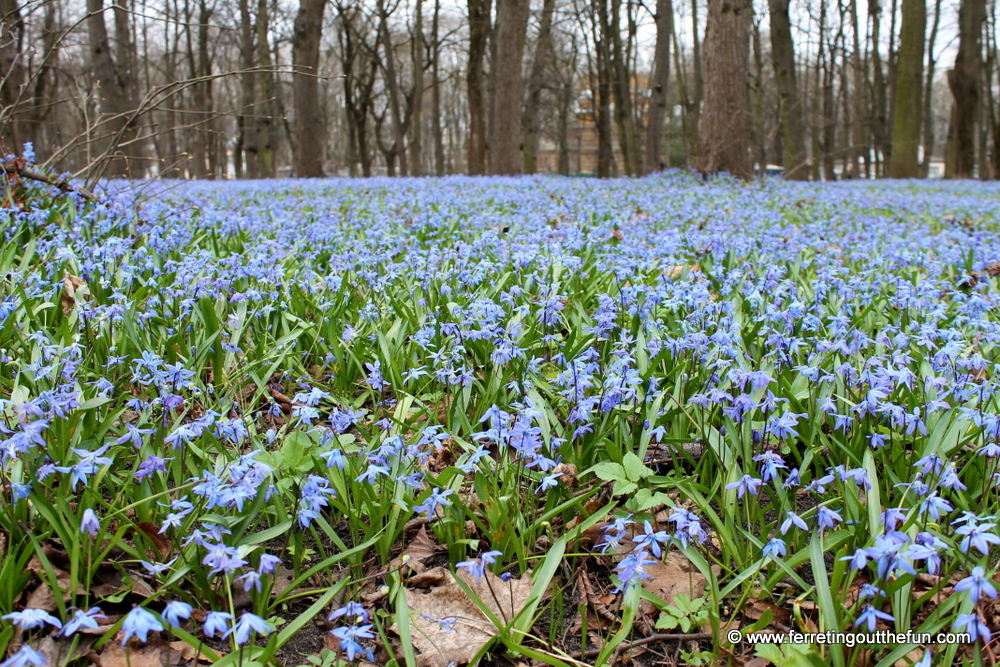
(247, 123)
(880, 117)
(392, 84)
(14, 76)
(621, 87)
(859, 148)
(110, 94)
(205, 105)
(266, 132)
(906, 124)
(964, 81)
(479, 28)
(543, 55)
(658, 85)
(505, 141)
(436, 92)
(783, 58)
(417, 118)
(310, 130)
(724, 128)
(928, 116)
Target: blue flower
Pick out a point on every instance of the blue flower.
(25, 656)
(977, 584)
(349, 637)
(139, 623)
(744, 484)
(248, 624)
(176, 612)
(974, 625)
(90, 522)
(217, 624)
(870, 617)
(775, 548)
(82, 619)
(477, 567)
(31, 618)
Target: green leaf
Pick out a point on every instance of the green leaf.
(634, 468)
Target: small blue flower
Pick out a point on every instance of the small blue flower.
(25, 656)
(217, 624)
(870, 617)
(31, 618)
(745, 484)
(139, 623)
(176, 612)
(90, 522)
(248, 624)
(977, 584)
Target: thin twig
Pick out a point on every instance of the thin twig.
(62, 184)
(662, 637)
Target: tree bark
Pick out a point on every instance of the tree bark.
(628, 141)
(438, 137)
(964, 81)
(543, 55)
(505, 141)
(658, 84)
(310, 130)
(417, 117)
(783, 59)
(392, 85)
(475, 77)
(724, 127)
(247, 124)
(266, 132)
(928, 118)
(109, 94)
(909, 86)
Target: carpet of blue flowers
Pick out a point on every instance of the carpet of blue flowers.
(229, 407)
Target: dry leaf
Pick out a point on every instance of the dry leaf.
(283, 578)
(417, 552)
(146, 655)
(186, 652)
(993, 269)
(42, 598)
(152, 531)
(447, 626)
(72, 286)
(57, 651)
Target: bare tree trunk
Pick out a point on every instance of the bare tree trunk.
(880, 117)
(758, 140)
(906, 124)
(436, 92)
(417, 117)
(964, 82)
(14, 77)
(206, 134)
(110, 94)
(724, 128)
(127, 63)
(859, 79)
(659, 81)
(247, 125)
(505, 141)
(310, 130)
(479, 28)
(265, 108)
(783, 58)
(628, 140)
(392, 84)
(543, 55)
(928, 116)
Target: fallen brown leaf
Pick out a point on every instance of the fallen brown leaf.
(446, 625)
(72, 286)
(152, 531)
(146, 655)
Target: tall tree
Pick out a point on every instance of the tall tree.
(724, 126)
(245, 119)
(309, 128)
(475, 78)
(909, 86)
(505, 139)
(417, 95)
(438, 137)
(110, 94)
(266, 132)
(543, 55)
(964, 82)
(659, 81)
(783, 59)
(928, 116)
(628, 141)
